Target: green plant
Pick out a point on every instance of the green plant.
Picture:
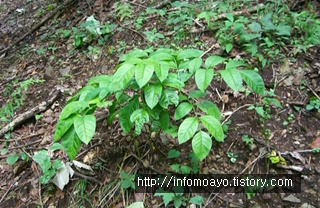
(153, 35)
(178, 198)
(314, 104)
(90, 30)
(15, 98)
(122, 10)
(157, 80)
(49, 169)
(80, 198)
(139, 21)
(41, 51)
(127, 180)
(290, 119)
(233, 157)
(248, 141)
(65, 33)
(316, 150)
(275, 158)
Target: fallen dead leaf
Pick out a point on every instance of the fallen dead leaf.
(315, 143)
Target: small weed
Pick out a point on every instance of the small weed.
(178, 198)
(15, 98)
(314, 104)
(41, 51)
(122, 10)
(153, 35)
(290, 119)
(233, 157)
(91, 30)
(127, 181)
(248, 141)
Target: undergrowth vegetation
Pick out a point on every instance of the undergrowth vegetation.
(151, 86)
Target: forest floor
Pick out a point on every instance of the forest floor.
(37, 61)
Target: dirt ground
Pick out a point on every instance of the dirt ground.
(67, 69)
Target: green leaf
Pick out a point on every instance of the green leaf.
(162, 56)
(167, 197)
(233, 78)
(309, 107)
(13, 158)
(194, 64)
(230, 17)
(283, 30)
(152, 94)
(253, 80)
(212, 61)
(43, 159)
(125, 112)
(182, 110)
(195, 94)
(266, 21)
(137, 53)
(197, 200)
(139, 117)
(185, 169)
(173, 153)
(85, 126)
(213, 126)
(143, 74)
(189, 53)
(71, 143)
(169, 97)
(137, 204)
(255, 27)
(62, 127)
(56, 146)
(234, 64)
(187, 129)
(164, 120)
(163, 71)
(73, 107)
(175, 167)
(173, 82)
(201, 145)
(203, 78)
(123, 75)
(229, 47)
(209, 108)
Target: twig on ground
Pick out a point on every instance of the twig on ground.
(207, 51)
(134, 3)
(87, 178)
(315, 94)
(133, 30)
(162, 4)
(25, 145)
(23, 138)
(149, 166)
(262, 154)
(246, 105)
(31, 113)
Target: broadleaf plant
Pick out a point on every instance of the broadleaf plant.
(148, 88)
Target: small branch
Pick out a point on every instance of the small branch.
(31, 113)
(162, 4)
(87, 178)
(246, 105)
(149, 166)
(136, 4)
(207, 51)
(315, 94)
